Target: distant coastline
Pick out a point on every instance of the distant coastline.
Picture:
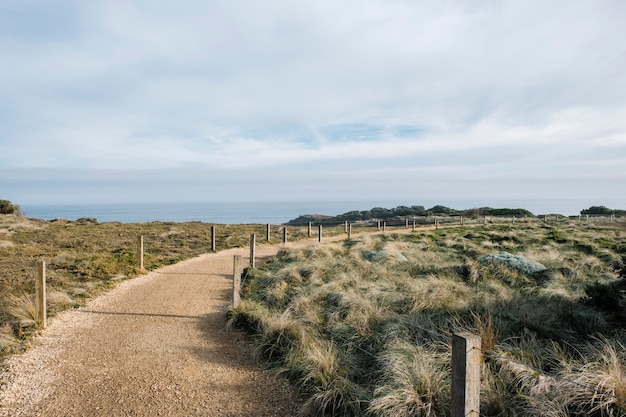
(283, 212)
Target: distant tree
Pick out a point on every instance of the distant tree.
(351, 216)
(402, 211)
(380, 213)
(597, 210)
(443, 210)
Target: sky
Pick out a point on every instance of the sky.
(124, 101)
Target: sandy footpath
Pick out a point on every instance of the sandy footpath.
(154, 346)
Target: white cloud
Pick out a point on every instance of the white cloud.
(532, 88)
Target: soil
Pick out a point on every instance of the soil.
(154, 346)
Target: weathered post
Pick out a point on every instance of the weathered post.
(406, 223)
(267, 232)
(285, 235)
(212, 238)
(40, 294)
(436, 223)
(413, 226)
(140, 253)
(236, 280)
(252, 249)
(310, 229)
(319, 233)
(350, 231)
(587, 217)
(466, 357)
(384, 227)
(345, 226)
(378, 225)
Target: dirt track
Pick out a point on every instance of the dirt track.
(154, 346)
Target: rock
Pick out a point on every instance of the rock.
(519, 263)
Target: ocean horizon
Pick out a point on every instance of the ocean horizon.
(282, 212)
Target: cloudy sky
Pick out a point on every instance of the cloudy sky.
(144, 100)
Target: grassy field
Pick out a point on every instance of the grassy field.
(84, 258)
(364, 327)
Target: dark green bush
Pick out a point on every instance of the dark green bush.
(6, 207)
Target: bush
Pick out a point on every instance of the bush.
(6, 207)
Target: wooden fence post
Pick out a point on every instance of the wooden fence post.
(40, 294)
(310, 229)
(384, 227)
(413, 226)
(267, 232)
(252, 250)
(466, 357)
(236, 280)
(319, 233)
(140, 253)
(285, 235)
(406, 223)
(378, 226)
(436, 223)
(350, 231)
(212, 238)
(345, 226)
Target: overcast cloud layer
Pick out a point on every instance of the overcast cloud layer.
(132, 100)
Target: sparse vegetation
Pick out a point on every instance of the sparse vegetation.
(363, 327)
(85, 257)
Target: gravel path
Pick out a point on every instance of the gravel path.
(154, 346)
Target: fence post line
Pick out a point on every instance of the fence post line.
(140, 253)
(267, 232)
(252, 249)
(466, 357)
(40, 294)
(212, 238)
(285, 235)
(310, 229)
(236, 280)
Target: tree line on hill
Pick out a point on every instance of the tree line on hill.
(602, 210)
(380, 213)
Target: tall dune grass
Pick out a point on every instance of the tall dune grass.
(371, 320)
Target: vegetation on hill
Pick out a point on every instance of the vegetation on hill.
(84, 258)
(601, 210)
(380, 213)
(364, 327)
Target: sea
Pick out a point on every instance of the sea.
(274, 212)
